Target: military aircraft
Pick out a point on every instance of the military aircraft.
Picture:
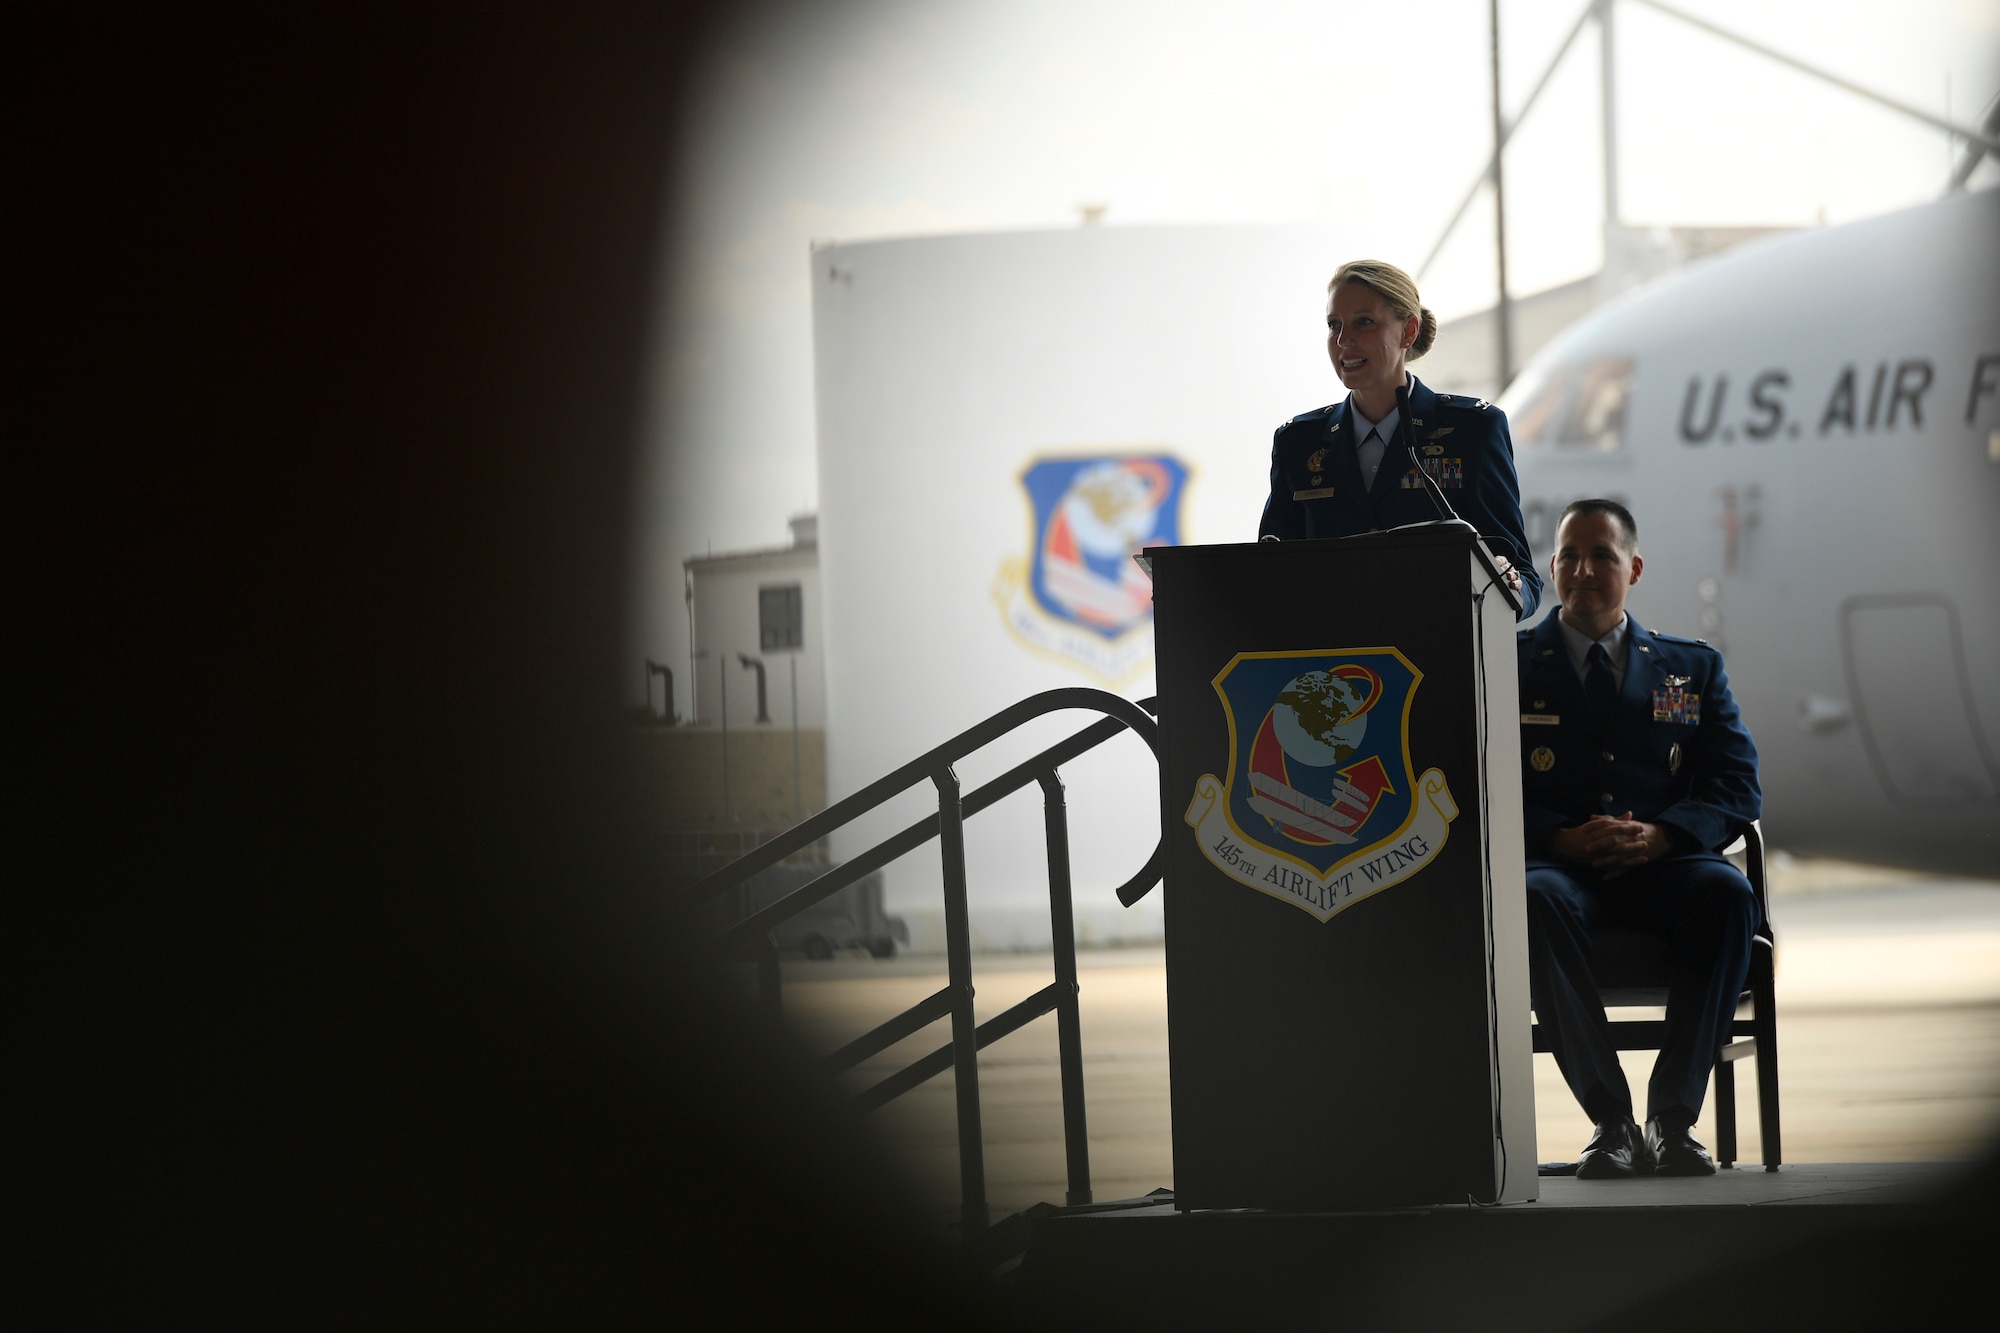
(1808, 430)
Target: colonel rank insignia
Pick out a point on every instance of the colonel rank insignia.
(1674, 704)
(1321, 805)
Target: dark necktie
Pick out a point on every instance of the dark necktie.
(1370, 457)
(1598, 686)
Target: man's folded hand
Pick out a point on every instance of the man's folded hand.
(1611, 845)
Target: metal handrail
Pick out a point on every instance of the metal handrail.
(752, 937)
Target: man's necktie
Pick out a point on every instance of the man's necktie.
(1598, 686)
(1371, 457)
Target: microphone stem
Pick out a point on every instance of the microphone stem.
(1430, 483)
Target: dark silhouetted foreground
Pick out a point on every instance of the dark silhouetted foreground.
(341, 992)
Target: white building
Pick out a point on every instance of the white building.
(752, 609)
(1000, 418)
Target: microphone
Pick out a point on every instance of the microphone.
(1445, 511)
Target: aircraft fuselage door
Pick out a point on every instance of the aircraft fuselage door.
(1913, 701)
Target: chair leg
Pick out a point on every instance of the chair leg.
(1725, 1113)
(1765, 1001)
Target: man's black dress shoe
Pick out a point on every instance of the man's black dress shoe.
(1615, 1150)
(1676, 1151)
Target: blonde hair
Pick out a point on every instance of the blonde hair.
(1396, 287)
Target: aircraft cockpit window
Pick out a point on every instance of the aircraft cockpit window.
(1596, 417)
(1531, 424)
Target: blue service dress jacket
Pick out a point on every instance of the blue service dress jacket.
(1676, 754)
(1316, 488)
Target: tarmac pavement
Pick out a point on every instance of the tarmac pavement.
(1889, 1046)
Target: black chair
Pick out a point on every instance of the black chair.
(1631, 970)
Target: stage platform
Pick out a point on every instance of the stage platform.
(1627, 1253)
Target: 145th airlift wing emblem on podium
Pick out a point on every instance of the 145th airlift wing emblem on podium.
(1322, 806)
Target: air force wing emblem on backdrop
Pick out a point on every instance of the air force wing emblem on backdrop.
(1322, 805)
(1078, 596)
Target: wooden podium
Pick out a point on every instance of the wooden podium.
(1347, 965)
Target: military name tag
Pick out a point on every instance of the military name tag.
(1541, 719)
(1321, 493)
(1674, 704)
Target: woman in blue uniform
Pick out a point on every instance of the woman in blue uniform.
(1344, 468)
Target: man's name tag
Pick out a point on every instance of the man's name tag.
(1324, 492)
(1541, 719)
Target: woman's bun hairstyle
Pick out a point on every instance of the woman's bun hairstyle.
(1399, 289)
(1427, 333)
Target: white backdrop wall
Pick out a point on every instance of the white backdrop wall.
(945, 368)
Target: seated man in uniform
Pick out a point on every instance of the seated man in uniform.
(1636, 772)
